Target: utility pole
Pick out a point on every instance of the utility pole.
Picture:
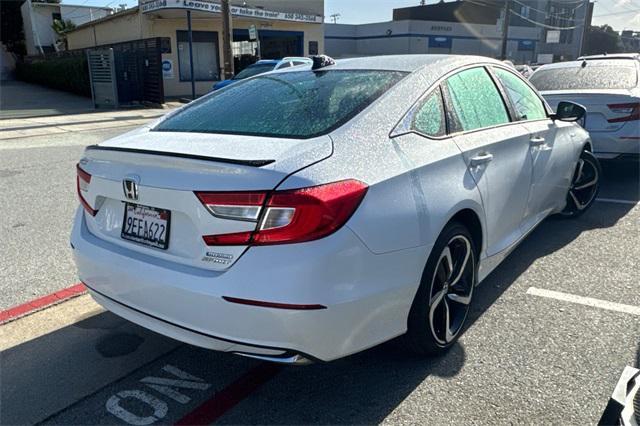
(585, 27)
(227, 54)
(190, 36)
(335, 17)
(505, 29)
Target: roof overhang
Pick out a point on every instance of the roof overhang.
(207, 6)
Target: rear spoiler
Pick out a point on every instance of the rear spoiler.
(252, 163)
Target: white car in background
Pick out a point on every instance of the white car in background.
(608, 86)
(313, 213)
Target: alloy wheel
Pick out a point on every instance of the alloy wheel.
(451, 290)
(584, 185)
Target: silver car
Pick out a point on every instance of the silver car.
(308, 214)
(608, 86)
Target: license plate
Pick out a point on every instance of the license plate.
(146, 225)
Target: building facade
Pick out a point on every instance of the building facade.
(284, 28)
(470, 27)
(37, 19)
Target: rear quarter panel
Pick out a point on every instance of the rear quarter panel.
(415, 184)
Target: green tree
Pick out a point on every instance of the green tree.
(62, 28)
(602, 39)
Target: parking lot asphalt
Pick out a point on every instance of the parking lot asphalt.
(536, 349)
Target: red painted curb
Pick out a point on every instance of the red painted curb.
(41, 302)
(211, 410)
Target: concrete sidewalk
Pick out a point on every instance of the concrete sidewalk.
(19, 100)
(12, 128)
(28, 110)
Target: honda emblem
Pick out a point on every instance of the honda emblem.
(130, 187)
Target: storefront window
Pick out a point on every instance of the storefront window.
(205, 56)
(274, 44)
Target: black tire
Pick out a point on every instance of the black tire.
(427, 327)
(585, 186)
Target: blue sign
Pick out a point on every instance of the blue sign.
(526, 44)
(440, 41)
(167, 69)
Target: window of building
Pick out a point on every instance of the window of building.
(205, 56)
(526, 102)
(562, 16)
(429, 119)
(475, 100)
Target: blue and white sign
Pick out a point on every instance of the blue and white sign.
(440, 41)
(167, 69)
(526, 44)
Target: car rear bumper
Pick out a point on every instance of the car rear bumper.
(367, 296)
(623, 142)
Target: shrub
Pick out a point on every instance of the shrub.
(70, 74)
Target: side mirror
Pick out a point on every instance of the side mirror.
(569, 111)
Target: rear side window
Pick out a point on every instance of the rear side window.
(526, 102)
(429, 118)
(475, 100)
(597, 74)
(296, 104)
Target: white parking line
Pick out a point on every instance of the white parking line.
(587, 301)
(614, 200)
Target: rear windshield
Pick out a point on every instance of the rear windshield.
(600, 74)
(252, 70)
(298, 104)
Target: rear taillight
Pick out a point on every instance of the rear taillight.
(632, 111)
(284, 217)
(233, 205)
(83, 181)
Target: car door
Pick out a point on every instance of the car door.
(550, 147)
(495, 149)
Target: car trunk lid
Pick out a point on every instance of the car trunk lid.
(168, 169)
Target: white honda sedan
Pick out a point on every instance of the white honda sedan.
(608, 86)
(310, 214)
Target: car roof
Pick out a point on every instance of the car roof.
(297, 58)
(579, 63)
(612, 56)
(409, 63)
(266, 62)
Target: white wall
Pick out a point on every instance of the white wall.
(412, 37)
(41, 21)
(81, 15)
(37, 22)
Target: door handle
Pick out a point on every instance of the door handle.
(536, 141)
(480, 159)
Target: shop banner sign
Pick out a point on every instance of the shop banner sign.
(207, 6)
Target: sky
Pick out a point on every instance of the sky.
(620, 14)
